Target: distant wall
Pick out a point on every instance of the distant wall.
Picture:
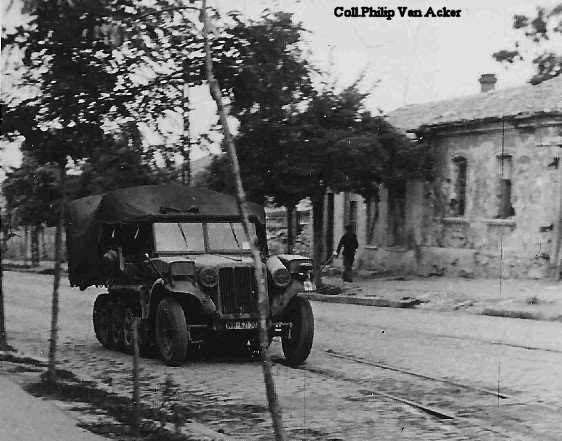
(276, 222)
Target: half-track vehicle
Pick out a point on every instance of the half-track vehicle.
(178, 259)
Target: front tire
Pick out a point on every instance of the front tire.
(101, 319)
(171, 332)
(298, 342)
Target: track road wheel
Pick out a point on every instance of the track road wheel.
(101, 318)
(116, 318)
(298, 342)
(171, 332)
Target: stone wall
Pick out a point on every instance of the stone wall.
(514, 246)
(276, 222)
(523, 240)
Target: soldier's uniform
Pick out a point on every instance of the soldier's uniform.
(349, 244)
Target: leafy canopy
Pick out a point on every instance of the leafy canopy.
(542, 43)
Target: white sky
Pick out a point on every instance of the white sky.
(416, 59)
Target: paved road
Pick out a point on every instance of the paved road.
(335, 397)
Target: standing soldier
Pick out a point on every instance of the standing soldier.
(349, 244)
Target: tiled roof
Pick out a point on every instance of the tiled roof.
(520, 101)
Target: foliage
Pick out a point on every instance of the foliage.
(541, 34)
(333, 144)
(270, 78)
(268, 71)
(29, 190)
(121, 161)
(81, 59)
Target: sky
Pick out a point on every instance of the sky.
(415, 60)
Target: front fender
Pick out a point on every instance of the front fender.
(187, 287)
(183, 288)
(279, 301)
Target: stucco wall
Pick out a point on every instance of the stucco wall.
(517, 246)
(534, 189)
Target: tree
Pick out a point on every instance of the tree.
(121, 161)
(28, 191)
(334, 143)
(65, 58)
(340, 146)
(270, 78)
(542, 34)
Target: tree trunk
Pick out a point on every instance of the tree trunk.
(25, 245)
(263, 299)
(369, 219)
(4, 346)
(3, 337)
(51, 372)
(35, 257)
(291, 227)
(318, 240)
(6, 230)
(44, 254)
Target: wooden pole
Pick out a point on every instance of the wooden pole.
(51, 372)
(136, 416)
(263, 299)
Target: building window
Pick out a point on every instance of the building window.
(458, 202)
(505, 208)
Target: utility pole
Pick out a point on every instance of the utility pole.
(186, 138)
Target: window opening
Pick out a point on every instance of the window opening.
(352, 214)
(458, 203)
(505, 195)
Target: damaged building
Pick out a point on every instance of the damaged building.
(493, 204)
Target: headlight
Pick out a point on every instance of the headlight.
(281, 277)
(208, 277)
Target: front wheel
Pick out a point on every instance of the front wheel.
(171, 332)
(297, 343)
(101, 318)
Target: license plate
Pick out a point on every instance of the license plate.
(241, 325)
(309, 285)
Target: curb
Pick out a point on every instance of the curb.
(363, 301)
(45, 271)
(194, 428)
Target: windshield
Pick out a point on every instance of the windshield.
(227, 236)
(179, 237)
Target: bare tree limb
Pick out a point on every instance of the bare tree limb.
(263, 300)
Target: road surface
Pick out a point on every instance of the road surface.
(374, 373)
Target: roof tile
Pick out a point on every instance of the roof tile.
(522, 101)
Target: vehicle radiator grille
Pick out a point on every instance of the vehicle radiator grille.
(237, 290)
